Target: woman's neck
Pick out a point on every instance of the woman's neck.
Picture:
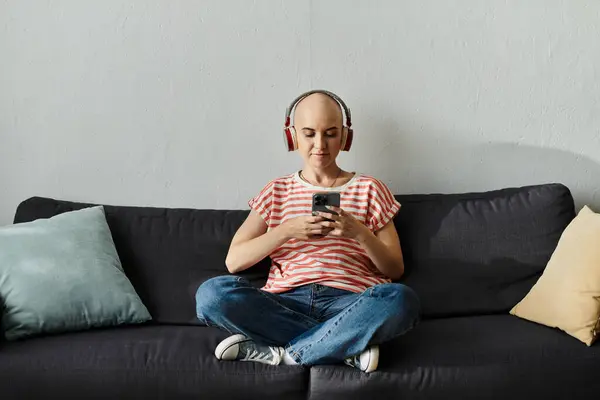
(322, 177)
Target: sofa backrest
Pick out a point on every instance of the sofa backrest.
(166, 253)
(480, 253)
(474, 253)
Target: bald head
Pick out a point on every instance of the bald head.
(317, 108)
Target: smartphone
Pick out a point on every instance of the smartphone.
(322, 199)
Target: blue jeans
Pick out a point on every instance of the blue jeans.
(316, 324)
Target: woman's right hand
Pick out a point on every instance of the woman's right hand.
(305, 227)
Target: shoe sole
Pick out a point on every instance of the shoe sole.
(226, 344)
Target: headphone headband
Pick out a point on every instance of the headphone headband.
(346, 110)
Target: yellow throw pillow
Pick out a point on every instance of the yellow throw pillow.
(567, 295)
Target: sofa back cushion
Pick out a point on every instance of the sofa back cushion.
(166, 253)
(480, 253)
(474, 253)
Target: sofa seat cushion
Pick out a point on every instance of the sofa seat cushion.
(148, 361)
(482, 357)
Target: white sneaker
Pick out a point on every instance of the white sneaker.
(242, 348)
(366, 361)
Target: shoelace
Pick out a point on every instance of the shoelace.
(257, 355)
(251, 352)
(354, 361)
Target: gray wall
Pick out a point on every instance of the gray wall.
(180, 103)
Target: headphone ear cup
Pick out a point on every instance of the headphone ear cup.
(348, 135)
(344, 137)
(289, 136)
(294, 138)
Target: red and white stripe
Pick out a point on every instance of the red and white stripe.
(337, 262)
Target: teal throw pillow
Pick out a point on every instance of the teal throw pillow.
(63, 274)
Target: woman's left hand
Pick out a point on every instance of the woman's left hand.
(344, 224)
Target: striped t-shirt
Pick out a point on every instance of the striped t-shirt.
(330, 261)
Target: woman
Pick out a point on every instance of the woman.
(329, 296)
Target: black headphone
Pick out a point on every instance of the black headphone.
(289, 132)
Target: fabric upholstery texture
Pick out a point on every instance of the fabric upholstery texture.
(470, 257)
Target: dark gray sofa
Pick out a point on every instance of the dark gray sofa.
(470, 257)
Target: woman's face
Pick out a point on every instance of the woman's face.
(318, 124)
